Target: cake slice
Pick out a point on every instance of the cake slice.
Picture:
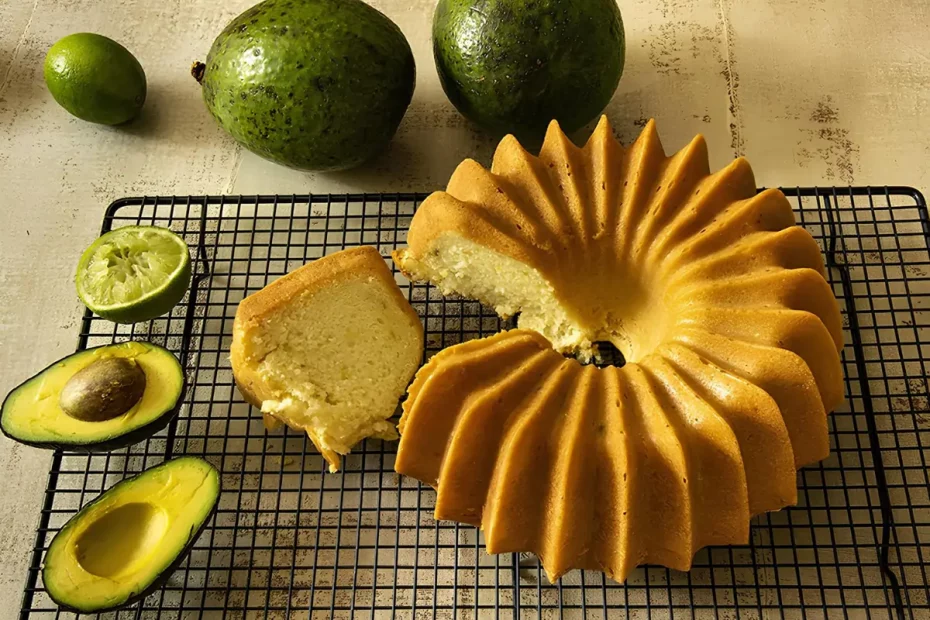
(328, 349)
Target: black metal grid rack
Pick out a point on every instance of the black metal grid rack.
(291, 541)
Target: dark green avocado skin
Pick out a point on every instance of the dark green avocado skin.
(311, 84)
(162, 579)
(115, 443)
(168, 572)
(511, 66)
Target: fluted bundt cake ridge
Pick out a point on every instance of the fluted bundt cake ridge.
(716, 299)
(582, 243)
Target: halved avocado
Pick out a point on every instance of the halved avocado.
(32, 413)
(125, 544)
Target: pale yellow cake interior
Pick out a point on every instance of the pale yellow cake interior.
(341, 384)
(332, 356)
(614, 311)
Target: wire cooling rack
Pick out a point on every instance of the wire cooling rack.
(289, 540)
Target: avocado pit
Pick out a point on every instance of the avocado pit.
(36, 413)
(105, 389)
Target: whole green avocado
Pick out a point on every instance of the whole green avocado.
(311, 84)
(512, 66)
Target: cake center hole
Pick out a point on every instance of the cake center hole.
(606, 354)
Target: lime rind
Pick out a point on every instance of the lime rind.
(134, 274)
(130, 270)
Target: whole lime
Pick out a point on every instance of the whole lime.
(95, 78)
(511, 66)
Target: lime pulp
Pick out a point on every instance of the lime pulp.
(134, 274)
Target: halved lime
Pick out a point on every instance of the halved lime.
(134, 274)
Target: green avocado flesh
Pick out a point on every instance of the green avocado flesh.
(125, 544)
(512, 66)
(311, 84)
(32, 413)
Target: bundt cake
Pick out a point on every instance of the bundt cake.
(718, 303)
(328, 349)
(588, 244)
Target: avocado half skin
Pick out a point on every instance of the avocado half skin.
(116, 443)
(157, 584)
(166, 574)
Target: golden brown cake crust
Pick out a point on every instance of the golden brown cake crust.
(360, 263)
(719, 303)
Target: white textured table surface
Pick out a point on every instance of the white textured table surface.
(811, 91)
